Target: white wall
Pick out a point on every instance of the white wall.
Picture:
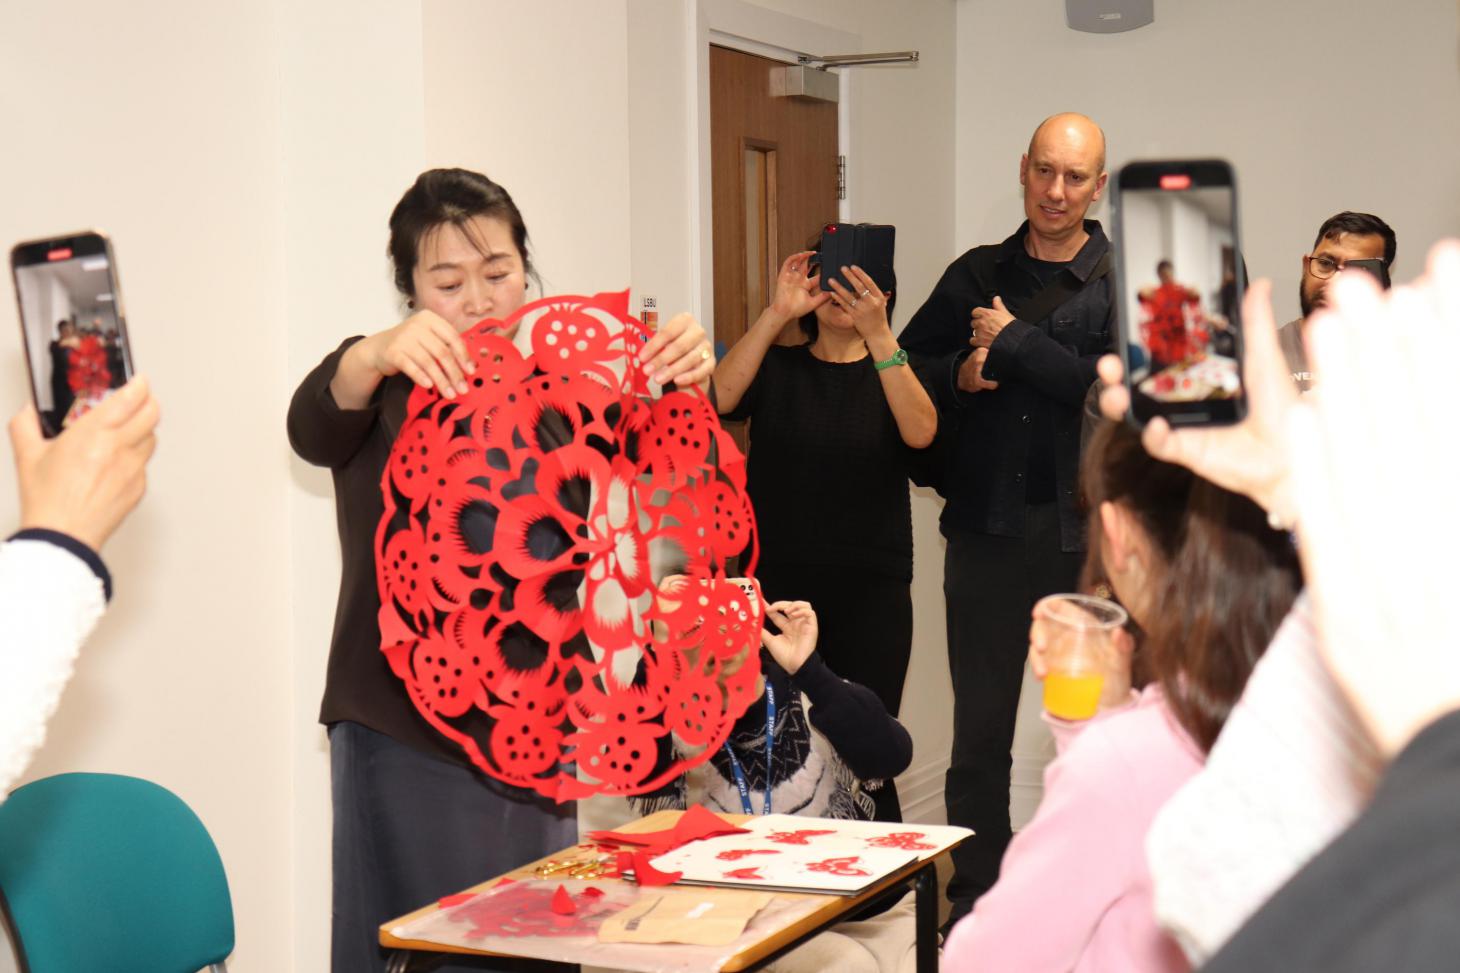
(1320, 106)
(353, 138)
(187, 680)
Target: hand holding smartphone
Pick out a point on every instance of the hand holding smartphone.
(865, 245)
(72, 323)
(1179, 283)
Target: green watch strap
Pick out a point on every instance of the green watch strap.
(899, 357)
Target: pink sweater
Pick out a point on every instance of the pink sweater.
(1074, 892)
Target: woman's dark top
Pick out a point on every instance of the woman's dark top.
(863, 745)
(355, 444)
(828, 470)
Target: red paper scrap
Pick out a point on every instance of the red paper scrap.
(746, 874)
(512, 555)
(694, 824)
(593, 892)
(563, 902)
(528, 909)
(447, 901)
(647, 874)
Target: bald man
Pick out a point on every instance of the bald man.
(1008, 342)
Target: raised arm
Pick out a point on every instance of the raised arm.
(912, 408)
(868, 739)
(796, 294)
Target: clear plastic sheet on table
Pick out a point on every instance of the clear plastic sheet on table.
(515, 919)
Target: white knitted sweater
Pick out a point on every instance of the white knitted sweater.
(50, 601)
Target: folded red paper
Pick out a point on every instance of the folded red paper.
(693, 824)
(563, 902)
(647, 874)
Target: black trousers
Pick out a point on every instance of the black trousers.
(990, 585)
(865, 633)
(409, 828)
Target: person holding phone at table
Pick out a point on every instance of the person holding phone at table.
(413, 820)
(1206, 581)
(835, 424)
(782, 756)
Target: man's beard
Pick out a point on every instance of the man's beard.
(1307, 305)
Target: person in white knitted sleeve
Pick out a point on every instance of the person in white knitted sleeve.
(74, 492)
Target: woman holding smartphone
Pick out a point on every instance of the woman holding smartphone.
(834, 425)
(413, 820)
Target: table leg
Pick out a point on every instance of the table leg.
(925, 919)
(398, 961)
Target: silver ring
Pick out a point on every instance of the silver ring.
(853, 304)
(866, 292)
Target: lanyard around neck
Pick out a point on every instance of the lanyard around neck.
(770, 732)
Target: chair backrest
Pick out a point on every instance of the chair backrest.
(103, 872)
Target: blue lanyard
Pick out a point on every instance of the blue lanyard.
(770, 735)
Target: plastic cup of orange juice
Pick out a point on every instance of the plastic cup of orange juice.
(1079, 644)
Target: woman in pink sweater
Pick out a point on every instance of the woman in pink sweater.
(1206, 582)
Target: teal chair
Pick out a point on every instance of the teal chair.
(107, 873)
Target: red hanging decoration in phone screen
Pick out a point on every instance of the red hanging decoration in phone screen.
(525, 526)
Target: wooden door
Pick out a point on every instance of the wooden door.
(773, 177)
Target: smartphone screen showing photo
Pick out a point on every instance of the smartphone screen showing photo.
(72, 325)
(1181, 290)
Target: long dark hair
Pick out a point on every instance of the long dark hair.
(1223, 582)
(441, 196)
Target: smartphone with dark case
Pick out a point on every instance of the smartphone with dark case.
(866, 245)
(1370, 266)
(72, 324)
(1178, 267)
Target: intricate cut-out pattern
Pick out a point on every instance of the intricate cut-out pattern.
(514, 558)
(906, 840)
(846, 865)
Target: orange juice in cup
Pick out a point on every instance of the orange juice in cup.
(1073, 696)
(1079, 646)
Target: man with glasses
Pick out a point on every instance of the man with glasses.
(1342, 239)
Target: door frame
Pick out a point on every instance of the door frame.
(752, 29)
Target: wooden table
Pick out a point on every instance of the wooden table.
(921, 875)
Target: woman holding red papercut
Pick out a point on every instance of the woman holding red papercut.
(412, 819)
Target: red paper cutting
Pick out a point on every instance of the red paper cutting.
(802, 837)
(838, 866)
(908, 840)
(746, 874)
(87, 373)
(735, 854)
(523, 524)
